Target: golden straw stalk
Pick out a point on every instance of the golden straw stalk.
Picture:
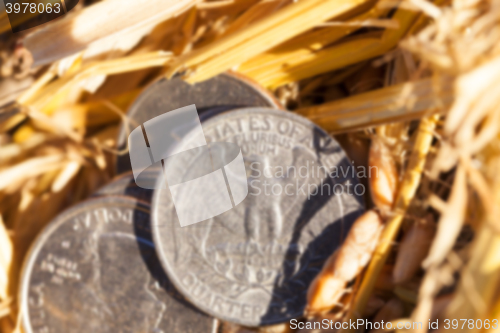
(344, 54)
(261, 36)
(406, 193)
(396, 103)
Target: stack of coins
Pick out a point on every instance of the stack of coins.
(105, 265)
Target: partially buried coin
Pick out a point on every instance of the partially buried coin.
(94, 269)
(125, 185)
(221, 93)
(252, 265)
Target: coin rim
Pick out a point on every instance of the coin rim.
(97, 193)
(137, 102)
(48, 230)
(263, 92)
(155, 218)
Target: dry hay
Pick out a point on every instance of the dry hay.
(419, 80)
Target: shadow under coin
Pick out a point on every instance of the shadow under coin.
(176, 309)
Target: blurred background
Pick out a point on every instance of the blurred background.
(411, 87)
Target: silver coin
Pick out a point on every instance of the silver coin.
(252, 265)
(94, 269)
(221, 93)
(125, 185)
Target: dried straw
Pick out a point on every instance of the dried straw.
(58, 139)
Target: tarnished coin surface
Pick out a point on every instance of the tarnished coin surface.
(253, 264)
(221, 93)
(125, 185)
(94, 269)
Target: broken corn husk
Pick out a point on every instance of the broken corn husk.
(384, 179)
(344, 265)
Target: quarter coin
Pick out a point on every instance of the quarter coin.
(221, 93)
(124, 185)
(94, 269)
(252, 265)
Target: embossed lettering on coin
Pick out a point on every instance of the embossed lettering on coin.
(94, 269)
(252, 265)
